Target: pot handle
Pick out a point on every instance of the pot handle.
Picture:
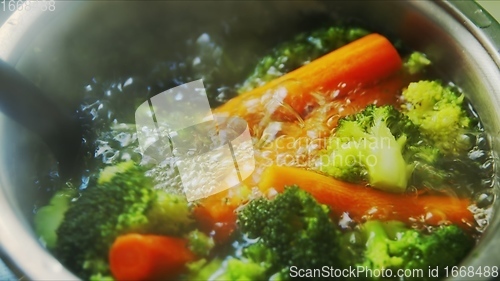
(480, 23)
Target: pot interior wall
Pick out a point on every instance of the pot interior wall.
(106, 40)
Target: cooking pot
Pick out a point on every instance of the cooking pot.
(60, 46)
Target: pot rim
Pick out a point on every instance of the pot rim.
(481, 24)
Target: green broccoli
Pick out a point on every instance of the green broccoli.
(390, 245)
(301, 50)
(202, 269)
(255, 263)
(199, 243)
(416, 63)
(228, 269)
(381, 145)
(48, 218)
(169, 214)
(392, 149)
(123, 201)
(440, 113)
(295, 227)
(378, 144)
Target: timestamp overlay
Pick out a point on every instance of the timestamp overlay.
(27, 5)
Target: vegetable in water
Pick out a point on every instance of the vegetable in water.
(416, 63)
(390, 245)
(124, 227)
(301, 50)
(199, 243)
(379, 145)
(255, 263)
(440, 113)
(49, 217)
(295, 227)
(388, 149)
(361, 62)
(360, 202)
(364, 147)
(148, 257)
(123, 201)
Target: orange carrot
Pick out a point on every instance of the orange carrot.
(148, 257)
(387, 92)
(361, 202)
(217, 219)
(323, 120)
(216, 214)
(366, 60)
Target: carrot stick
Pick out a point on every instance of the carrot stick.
(148, 257)
(387, 92)
(324, 120)
(366, 60)
(363, 202)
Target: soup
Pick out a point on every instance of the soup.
(365, 165)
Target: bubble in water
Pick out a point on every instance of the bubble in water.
(484, 199)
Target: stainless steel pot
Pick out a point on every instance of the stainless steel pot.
(62, 48)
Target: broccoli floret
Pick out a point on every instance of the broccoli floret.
(237, 269)
(123, 201)
(49, 217)
(199, 243)
(416, 63)
(301, 50)
(260, 254)
(377, 144)
(202, 269)
(440, 113)
(295, 227)
(169, 214)
(228, 269)
(100, 277)
(255, 263)
(386, 148)
(104, 211)
(382, 146)
(433, 142)
(391, 246)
